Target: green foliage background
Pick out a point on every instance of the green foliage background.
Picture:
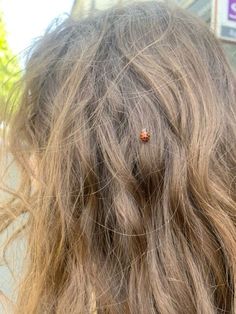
(9, 66)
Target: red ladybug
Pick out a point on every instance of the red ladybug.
(144, 135)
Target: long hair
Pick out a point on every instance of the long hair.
(114, 224)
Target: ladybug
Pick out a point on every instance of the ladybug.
(144, 135)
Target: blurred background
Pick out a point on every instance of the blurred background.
(23, 21)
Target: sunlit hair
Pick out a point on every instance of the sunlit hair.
(116, 224)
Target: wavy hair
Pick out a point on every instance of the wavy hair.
(116, 225)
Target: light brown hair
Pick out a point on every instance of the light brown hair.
(134, 227)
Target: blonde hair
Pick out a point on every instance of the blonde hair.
(136, 227)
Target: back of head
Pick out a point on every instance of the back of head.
(116, 223)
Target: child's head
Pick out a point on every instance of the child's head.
(135, 227)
